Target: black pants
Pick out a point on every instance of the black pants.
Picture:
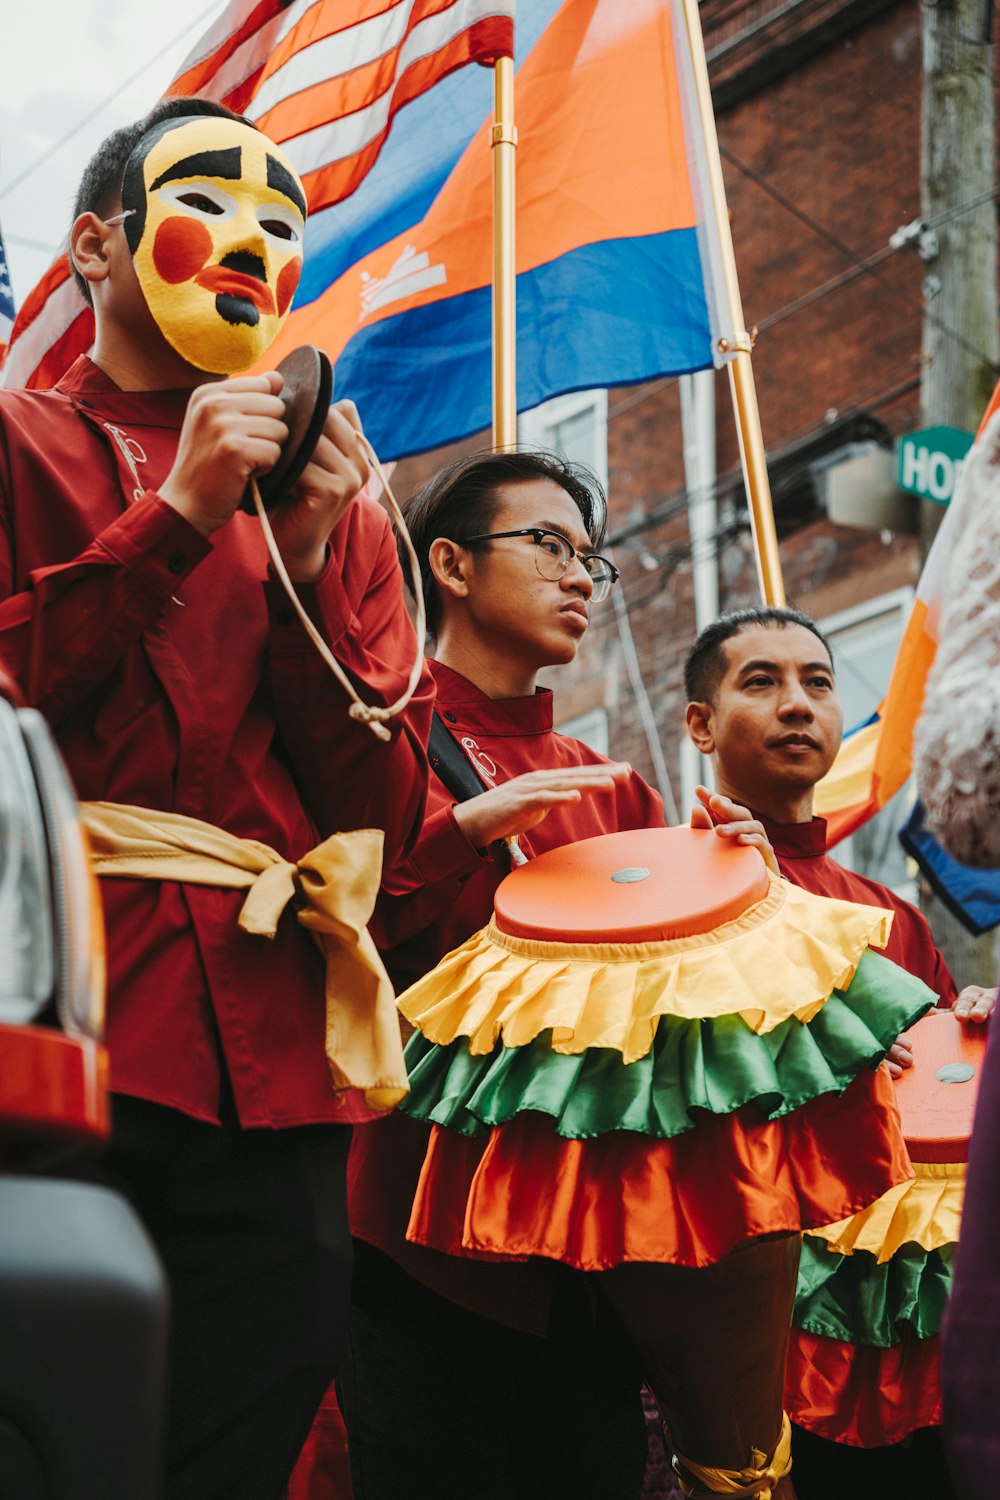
(442, 1404)
(913, 1470)
(251, 1226)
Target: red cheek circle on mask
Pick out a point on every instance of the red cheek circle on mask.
(181, 248)
(288, 280)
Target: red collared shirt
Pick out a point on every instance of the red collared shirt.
(176, 676)
(802, 859)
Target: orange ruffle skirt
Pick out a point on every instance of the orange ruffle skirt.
(856, 1394)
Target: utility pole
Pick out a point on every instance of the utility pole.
(960, 337)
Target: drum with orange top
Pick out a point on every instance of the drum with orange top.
(658, 1052)
(937, 1096)
(650, 1012)
(863, 1363)
(646, 885)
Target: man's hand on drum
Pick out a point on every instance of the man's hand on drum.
(975, 1004)
(331, 481)
(899, 1055)
(519, 804)
(731, 821)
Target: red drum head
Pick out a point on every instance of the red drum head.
(937, 1096)
(642, 886)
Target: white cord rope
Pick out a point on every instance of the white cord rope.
(367, 713)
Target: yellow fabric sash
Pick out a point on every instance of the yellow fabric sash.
(337, 883)
(754, 1481)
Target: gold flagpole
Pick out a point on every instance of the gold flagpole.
(504, 147)
(741, 381)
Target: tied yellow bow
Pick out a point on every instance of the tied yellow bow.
(753, 1483)
(337, 883)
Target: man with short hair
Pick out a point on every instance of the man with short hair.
(763, 704)
(139, 614)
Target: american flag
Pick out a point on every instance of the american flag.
(6, 300)
(323, 78)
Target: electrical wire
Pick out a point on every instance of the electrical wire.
(64, 140)
(676, 503)
(804, 217)
(770, 320)
(645, 709)
(20, 239)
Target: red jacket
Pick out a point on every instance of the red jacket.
(176, 676)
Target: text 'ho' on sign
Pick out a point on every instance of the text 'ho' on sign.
(929, 462)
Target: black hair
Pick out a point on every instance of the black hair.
(706, 661)
(462, 499)
(101, 183)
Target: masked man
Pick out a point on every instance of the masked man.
(140, 617)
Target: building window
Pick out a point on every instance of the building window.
(591, 728)
(574, 426)
(865, 640)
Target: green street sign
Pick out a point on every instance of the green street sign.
(929, 463)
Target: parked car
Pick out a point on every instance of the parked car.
(83, 1306)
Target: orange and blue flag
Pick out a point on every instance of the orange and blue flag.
(6, 300)
(613, 242)
(876, 758)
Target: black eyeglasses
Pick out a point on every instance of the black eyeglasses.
(553, 555)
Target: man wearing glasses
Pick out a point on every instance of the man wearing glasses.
(470, 1378)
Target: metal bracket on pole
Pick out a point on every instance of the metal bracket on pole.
(740, 343)
(918, 233)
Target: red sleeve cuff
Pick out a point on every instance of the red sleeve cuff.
(325, 602)
(155, 542)
(443, 851)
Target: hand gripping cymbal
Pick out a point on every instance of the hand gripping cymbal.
(306, 394)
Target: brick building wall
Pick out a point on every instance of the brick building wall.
(818, 111)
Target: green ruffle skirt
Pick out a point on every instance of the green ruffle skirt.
(855, 1300)
(715, 1065)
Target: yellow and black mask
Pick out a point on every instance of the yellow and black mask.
(214, 218)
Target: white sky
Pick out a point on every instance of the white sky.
(77, 68)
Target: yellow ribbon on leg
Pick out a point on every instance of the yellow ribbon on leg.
(752, 1483)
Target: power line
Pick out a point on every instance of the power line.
(833, 285)
(670, 560)
(637, 397)
(838, 244)
(676, 503)
(860, 268)
(90, 115)
(20, 239)
(946, 215)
